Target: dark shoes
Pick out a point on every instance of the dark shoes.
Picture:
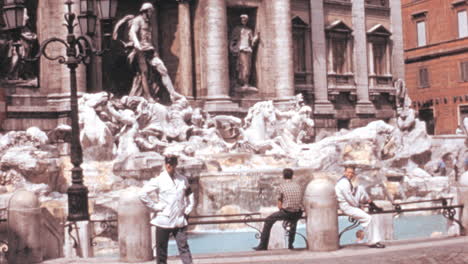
(377, 245)
(259, 248)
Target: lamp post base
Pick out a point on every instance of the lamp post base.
(77, 203)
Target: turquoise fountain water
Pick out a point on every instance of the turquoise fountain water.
(406, 227)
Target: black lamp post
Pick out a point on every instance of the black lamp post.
(78, 50)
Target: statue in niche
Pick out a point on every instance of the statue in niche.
(151, 73)
(241, 45)
(406, 116)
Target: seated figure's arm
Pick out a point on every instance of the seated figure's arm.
(344, 193)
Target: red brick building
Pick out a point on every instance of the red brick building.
(436, 60)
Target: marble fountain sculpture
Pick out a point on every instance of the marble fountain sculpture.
(234, 163)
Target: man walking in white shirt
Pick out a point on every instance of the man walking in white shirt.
(173, 203)
(350, 199)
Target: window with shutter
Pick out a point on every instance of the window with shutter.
(464, 71)
(379, 49)
(423, 78)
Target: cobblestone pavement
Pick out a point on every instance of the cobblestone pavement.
(434, 251)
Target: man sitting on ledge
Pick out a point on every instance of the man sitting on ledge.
(349, 200)
(290, 209)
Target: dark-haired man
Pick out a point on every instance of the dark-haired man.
(350, 199)
(290, 208)
(173, 203)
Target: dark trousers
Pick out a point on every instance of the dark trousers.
(162, 240)
(282, 214)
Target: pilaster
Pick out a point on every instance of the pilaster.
(322, 105)
(398, 62)
(215, 56)
(364, 105)
(282, 49)
(185, 86)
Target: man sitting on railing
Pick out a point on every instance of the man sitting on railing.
(290, 209)
(350, 199)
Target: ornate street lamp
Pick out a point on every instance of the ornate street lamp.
(13, 14)
(87, 18)
(107, 11)
(78, 50)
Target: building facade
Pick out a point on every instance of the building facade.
(342, 55)
(436, 59)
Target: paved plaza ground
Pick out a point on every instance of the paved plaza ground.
(433, 251)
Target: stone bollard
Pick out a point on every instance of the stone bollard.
(24, 228)
(463, 199)
(134, 229)
(322, 217)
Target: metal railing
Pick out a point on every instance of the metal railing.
(246, 219)
(108, 226)
(448, 211)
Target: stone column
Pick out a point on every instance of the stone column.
(49, 24)
(319, 53)
(216, 57)
(185, 38)
(282, 49)
(398, 61)
(364, 105)
(55, 77)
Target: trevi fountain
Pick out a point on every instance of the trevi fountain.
(233, 164)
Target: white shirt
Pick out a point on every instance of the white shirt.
(345, 193)
(173, 199)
